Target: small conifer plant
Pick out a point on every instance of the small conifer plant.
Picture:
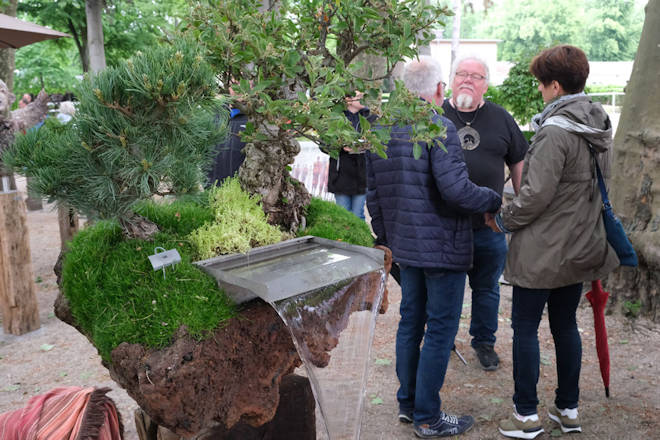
(145, 127)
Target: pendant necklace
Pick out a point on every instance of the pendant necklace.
(469, 137)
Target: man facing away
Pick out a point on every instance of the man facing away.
(490, 139)
(420, 209)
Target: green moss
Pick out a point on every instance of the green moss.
(240, 223)
(116, 296)
(180, 217)
(328, 220)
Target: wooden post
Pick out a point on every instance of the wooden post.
(18, 300)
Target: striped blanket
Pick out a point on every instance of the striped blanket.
(68, 413)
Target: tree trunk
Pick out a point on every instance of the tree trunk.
(94, 11)
(7, 61)
(424, 50)
(18, 300)
(133, 226)
(636, 177)
(7, 65)
(264, 172)
(456, 30)
(29, 116)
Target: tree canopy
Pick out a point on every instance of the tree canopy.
(607, 30)
(129, 26)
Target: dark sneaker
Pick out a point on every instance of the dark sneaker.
(566, 423)
(514, 428)
(405, 415)
(446, 425)
(488, 359)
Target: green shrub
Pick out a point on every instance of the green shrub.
(519, 92)
(631, 309)
(329, 220)
(240, 223)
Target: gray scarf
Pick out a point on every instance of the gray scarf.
(537, 118)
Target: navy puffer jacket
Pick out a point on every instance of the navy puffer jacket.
(420, 208)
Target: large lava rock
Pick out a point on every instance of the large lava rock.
(192, 386)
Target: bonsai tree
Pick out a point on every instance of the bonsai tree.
(290, 66)
(142, 128)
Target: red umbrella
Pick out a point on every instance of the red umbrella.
(598, 298)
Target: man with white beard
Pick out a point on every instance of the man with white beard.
(490, 139)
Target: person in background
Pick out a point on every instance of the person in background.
(347, 175)
(558, 237)
(25, 100)
(490, 139)
(420, 209)
(66, 111)
(229, 154)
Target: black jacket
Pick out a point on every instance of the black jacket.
(229, 155)
(348, 173)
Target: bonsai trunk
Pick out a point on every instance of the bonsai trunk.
(265, 172)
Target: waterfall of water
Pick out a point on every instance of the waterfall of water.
(333, 328)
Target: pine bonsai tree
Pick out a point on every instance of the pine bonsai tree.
(290, 64)
(146, 127)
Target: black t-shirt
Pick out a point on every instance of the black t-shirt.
(495, 141)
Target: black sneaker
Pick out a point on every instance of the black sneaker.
(487, 357)
(405, 415)
(444, 426)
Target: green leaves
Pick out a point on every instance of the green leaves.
(519, 92)
(296, 65)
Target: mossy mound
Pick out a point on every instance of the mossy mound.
(329, 220)
(115, 295)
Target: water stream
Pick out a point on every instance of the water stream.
(333, 328)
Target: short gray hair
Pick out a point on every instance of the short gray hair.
(422, 76)
(474, 57)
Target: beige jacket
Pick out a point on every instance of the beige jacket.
(558, 233)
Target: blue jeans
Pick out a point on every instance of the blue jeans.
(354, 203)
(488, 264)
(433, 297)
(526, 312)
